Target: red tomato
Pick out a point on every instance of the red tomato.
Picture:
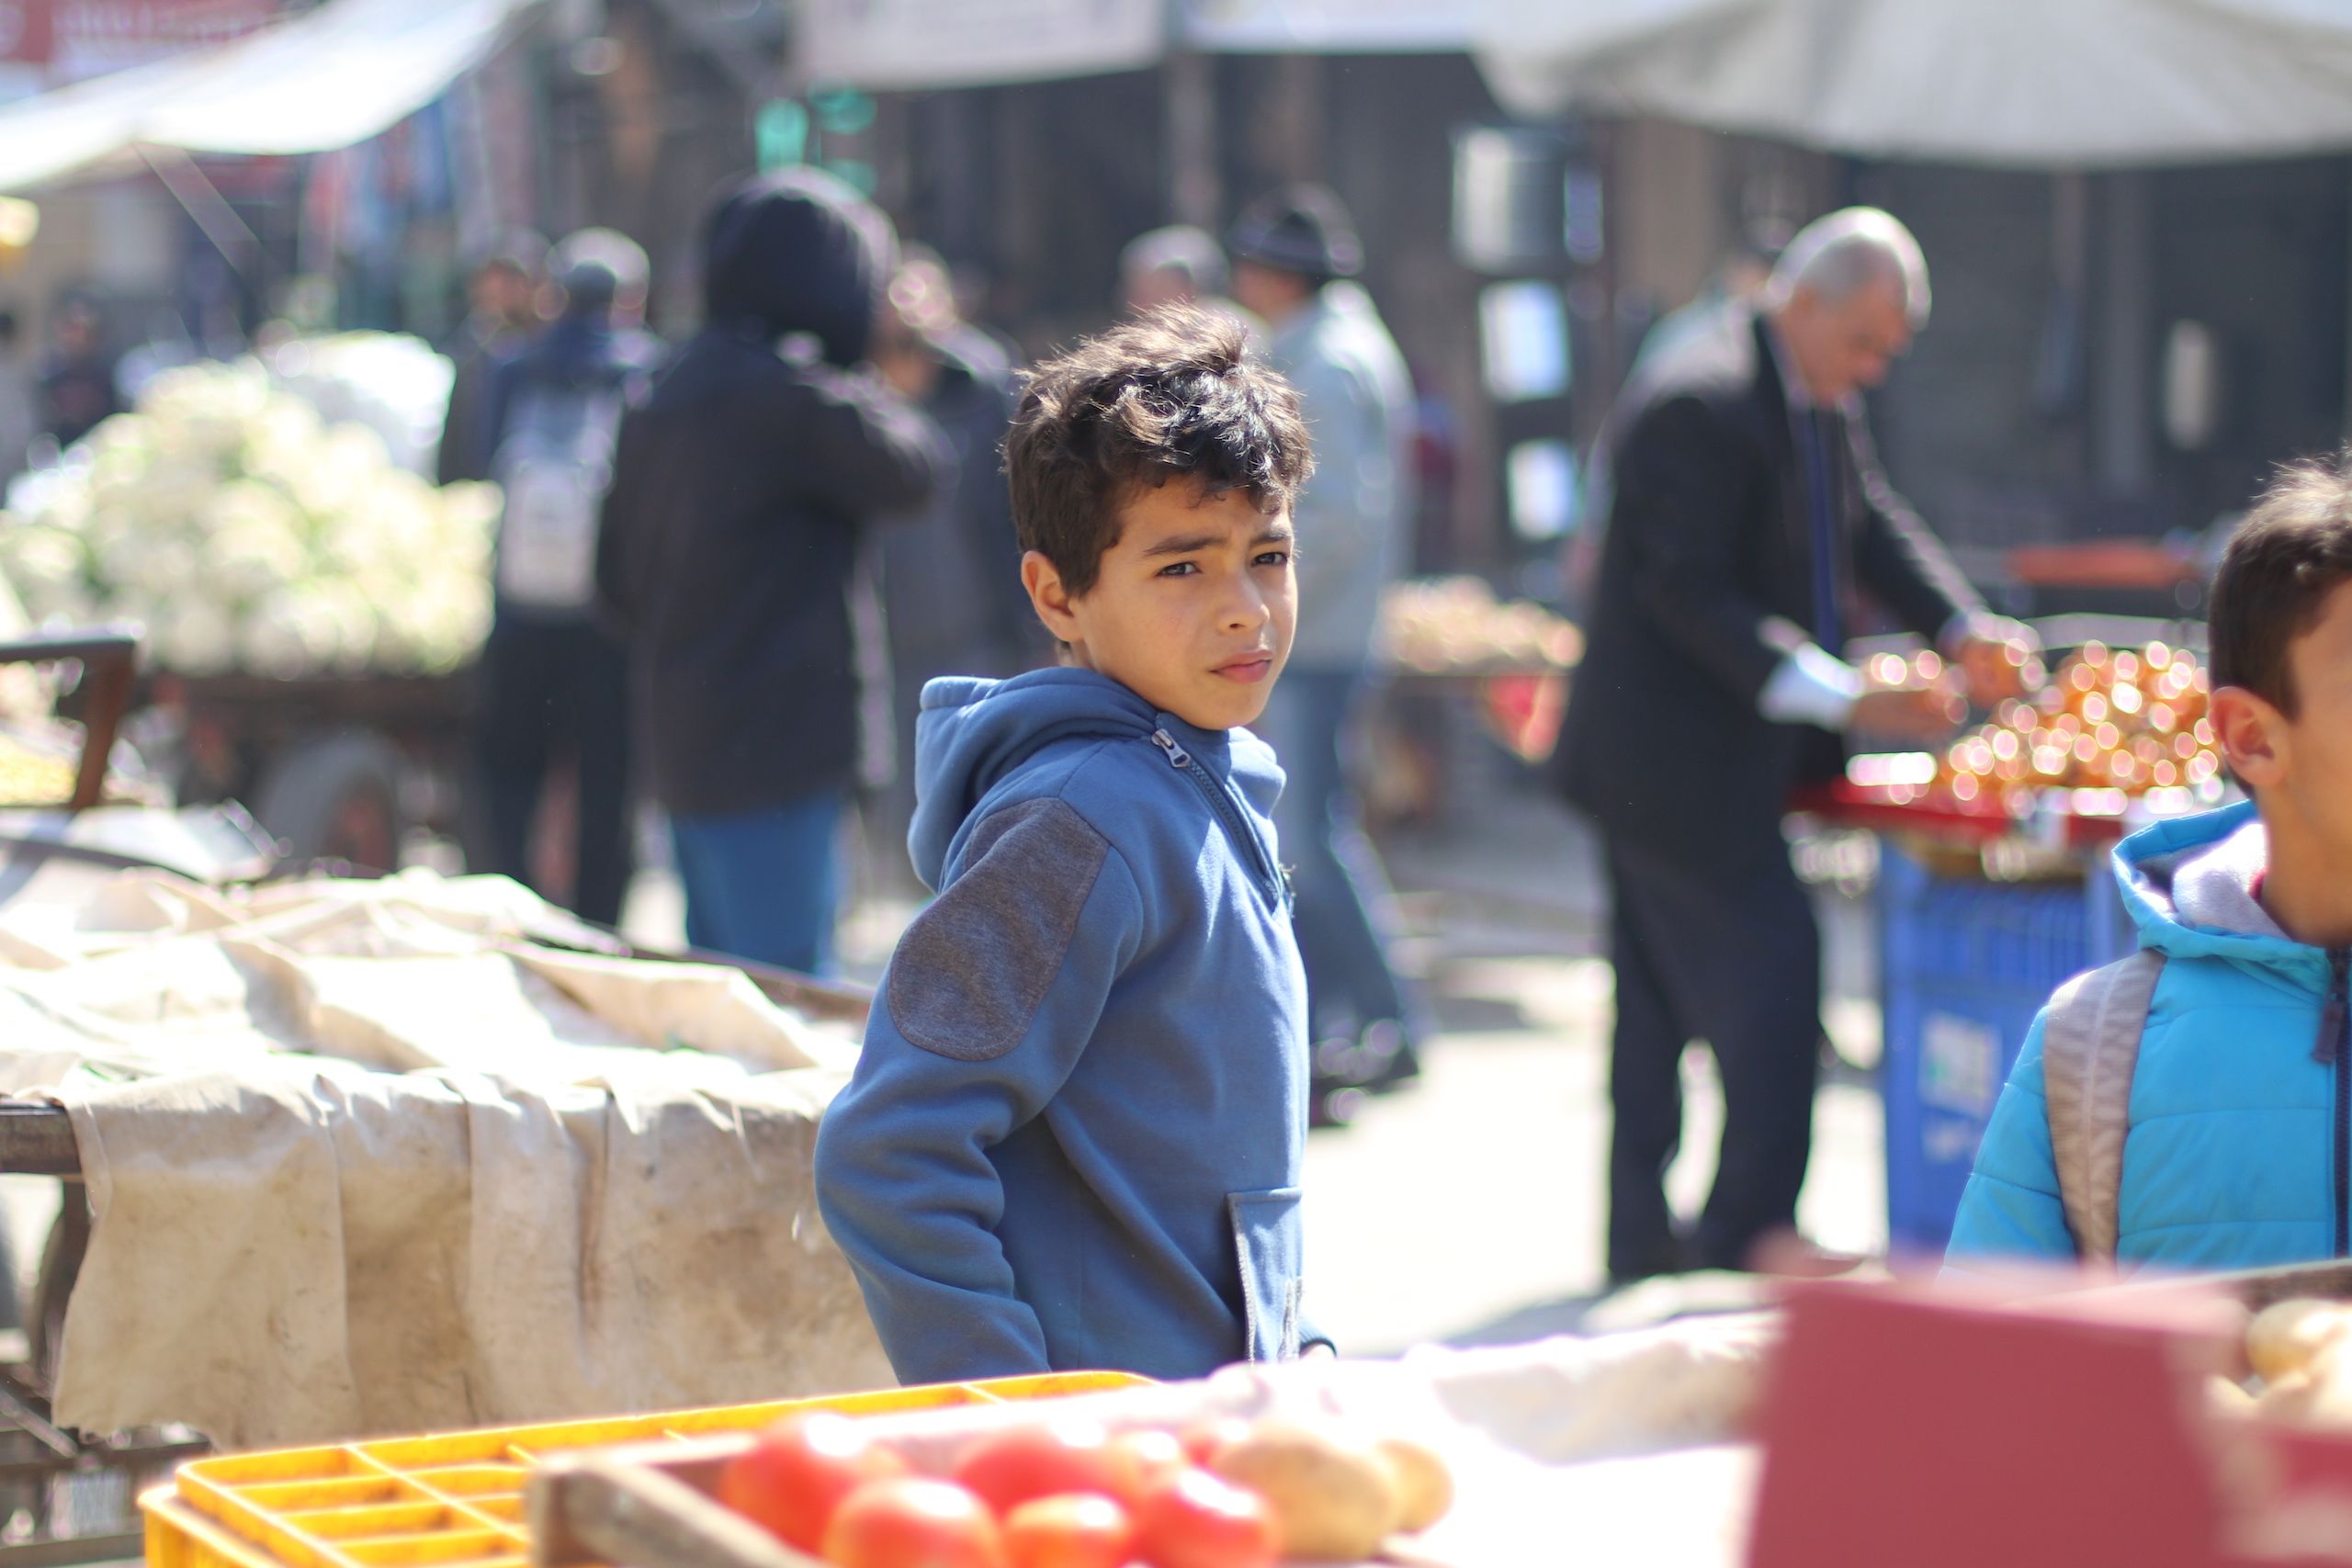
(1201, 1440)
(1021, 1463)
(796, 1472)
(1080, 1531)
(1143, 1457)
(1194, 1519)
(909, 1522)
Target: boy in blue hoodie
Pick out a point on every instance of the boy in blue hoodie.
(1074, 1137)
(2191, 1106)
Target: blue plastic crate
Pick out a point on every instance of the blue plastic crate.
(1965, 965)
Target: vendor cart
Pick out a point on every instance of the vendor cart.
(1983, 911)
(342, 767)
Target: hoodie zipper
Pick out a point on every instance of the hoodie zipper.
(1221, 807)
(2335, 1047)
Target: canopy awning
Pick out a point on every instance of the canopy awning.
(2046, 83)
(326, 79)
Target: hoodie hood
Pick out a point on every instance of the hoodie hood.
(2191, 885)
(973, 733)
(797, 252)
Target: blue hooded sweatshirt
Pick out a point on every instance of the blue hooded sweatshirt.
(1074, 1137)
(2236, 1155)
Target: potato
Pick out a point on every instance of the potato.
(1332, 1500)
(1424, 1487)
(2318, 1395)
(2284, 1337)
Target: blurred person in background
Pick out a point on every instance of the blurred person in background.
(19, 397)
(734, 560)
(1179, 266)
(77, 387)
(503, 299)
(1749, 517)
(951, 597)
(1295, 255)
(556, 682)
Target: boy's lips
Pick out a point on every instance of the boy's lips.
(1249, 669)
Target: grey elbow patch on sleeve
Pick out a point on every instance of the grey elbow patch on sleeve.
(973, 969)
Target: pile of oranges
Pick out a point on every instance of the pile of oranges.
(2126, 720)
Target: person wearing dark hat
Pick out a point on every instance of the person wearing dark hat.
(555, 683)
(502, 294)
(736, 558)
(1295, 257)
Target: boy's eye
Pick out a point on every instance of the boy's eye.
(1178, 568)
(1274, 557)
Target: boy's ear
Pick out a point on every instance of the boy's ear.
(1047, 596)
(2252, 734)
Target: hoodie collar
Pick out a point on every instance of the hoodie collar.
(2190, 886)
(972, 734)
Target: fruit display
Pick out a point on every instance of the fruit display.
(246, 533)
(1064, 1492)
(1455, 624)
(2130, 720)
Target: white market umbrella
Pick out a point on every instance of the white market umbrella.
(2041, 83)
(326, 79)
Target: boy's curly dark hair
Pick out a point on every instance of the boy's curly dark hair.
(1173, 395)
(2293, 549)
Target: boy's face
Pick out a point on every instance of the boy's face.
(1192, 610)
(2301, 766)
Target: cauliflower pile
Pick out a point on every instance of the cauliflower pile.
(246, 533)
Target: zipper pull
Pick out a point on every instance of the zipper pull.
(2332, 1014)
(1177, 756)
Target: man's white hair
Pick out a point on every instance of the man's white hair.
(1834, 257)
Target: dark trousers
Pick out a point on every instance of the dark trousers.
(1730, 955)
(555, 689)
(1340, 890)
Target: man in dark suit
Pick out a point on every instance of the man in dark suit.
(1749, 520)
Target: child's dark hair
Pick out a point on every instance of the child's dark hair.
(1173, 395)
(2292, 550)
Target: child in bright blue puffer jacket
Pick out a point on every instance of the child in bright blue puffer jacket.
(2200, 1093)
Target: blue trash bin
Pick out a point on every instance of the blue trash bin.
(1966, 964)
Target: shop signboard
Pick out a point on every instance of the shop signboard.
(946, 43)
(1338, 27)
(71, 40)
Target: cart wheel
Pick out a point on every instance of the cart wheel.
(337, 798)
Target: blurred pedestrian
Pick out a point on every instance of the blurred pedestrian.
(503, 295)
(20, 400)
(556, 682)
(1749, 516)
(951, 577)
(77, 385)
(1296, 255)
(1179, 266)
(734, 560)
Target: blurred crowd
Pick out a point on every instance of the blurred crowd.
(729, 566)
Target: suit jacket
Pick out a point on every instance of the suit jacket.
(1706, 585)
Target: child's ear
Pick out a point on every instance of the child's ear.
(2252, 735)
(1048, 596)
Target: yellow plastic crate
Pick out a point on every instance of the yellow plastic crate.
(454, 1500)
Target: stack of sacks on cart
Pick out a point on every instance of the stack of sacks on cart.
(365, 1159)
